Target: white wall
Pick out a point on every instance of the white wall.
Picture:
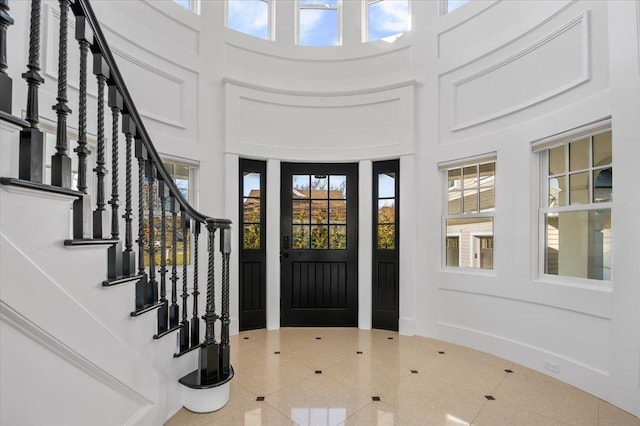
(490, 76)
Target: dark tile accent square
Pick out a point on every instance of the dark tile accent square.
(509, 370)
(375, 398)
(318, 338)
(277, 353)
(441, 352)
(318, 371)
(260, 398)
(359, 352)
(245, 338)
(489, 397)
(414, 371)
(390, 338)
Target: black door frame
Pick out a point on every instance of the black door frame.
(347, 316)
(252, 262)
(385, 300)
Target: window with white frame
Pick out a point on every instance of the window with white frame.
(451, 5)
(319, 22)
(576, 202)
(468, 222)
(192, 5)
(386, 18)
(183, 176)
(252, 17)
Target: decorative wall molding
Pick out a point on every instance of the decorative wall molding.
(582, 20)
(541, 24)
(283, 91)
(32, 331)
(461, 23)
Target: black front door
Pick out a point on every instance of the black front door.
(319, 245)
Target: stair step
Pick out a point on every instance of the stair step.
(145, 310)
(164, 333)
(179, 354)
(13, 119)
(91, 242)
(40, 187)
(120, 280)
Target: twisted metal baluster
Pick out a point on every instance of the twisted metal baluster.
(116, 104)
(101, 70)
(174, 308)
(195, 321)
(163, 312)
(225, 248)
(184, 327)
(85, 38)
(129, 258)
(60, 161)
(31, 158)
(152, 284)
(141, 285)
(210, 316)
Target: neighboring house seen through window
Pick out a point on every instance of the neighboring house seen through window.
(470, 193)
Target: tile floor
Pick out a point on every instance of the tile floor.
(336, 376)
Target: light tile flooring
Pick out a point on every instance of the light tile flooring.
(335, 376)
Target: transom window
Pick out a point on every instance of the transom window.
(470, 194)
(577, 196)
(318, 22)
(251, 17)
(387, 18)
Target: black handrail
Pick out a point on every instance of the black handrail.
(83, 8)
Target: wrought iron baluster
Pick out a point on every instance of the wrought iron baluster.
(195, 321)
(31, 162)
(128, 256)
(163, 312)
(151, 293)
(100, 220)
(6, 85)
(225, 249)
(174, 308)
(210, 352)
(141, 285)
(115, 255)
(84, 35)
(184, 325)
(60, 161)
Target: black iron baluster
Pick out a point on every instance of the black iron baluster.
(6, 85)
(163, 312)
(209, 353)
(225, 249)
(195, 321)
(60, 161)
(141, 285)
(128, 256)
(84, 35)
(151, 292)
(174, 309)
(115, 255)
(184, 325)
(31, 163)
(100, 220)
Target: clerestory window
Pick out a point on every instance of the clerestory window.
(319, 22)
(386, 18)
(252, 17)
(192, 5)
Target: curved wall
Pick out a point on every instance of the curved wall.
(491, 76)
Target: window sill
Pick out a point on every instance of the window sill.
(581, 283)
(469, 271)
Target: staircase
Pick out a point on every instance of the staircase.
(100, 295)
